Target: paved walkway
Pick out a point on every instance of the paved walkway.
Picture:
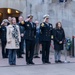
(38, 69)
(4, 62)
(53, 69)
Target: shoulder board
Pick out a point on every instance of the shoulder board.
(42, 24)
(22, 22)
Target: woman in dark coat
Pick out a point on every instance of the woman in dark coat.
(59, 37)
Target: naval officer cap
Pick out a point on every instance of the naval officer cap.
(30, 16)
(46, 16)
(5, 20)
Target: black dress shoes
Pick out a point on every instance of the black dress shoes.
(32, 63)
(28, 63)
(19, 56)
(48, 62)
(56, 61)
(36, 57)
(60, 61)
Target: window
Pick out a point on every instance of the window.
(62, 0)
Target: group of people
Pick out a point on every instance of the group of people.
(14, 34)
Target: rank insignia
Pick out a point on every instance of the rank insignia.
(22, 22)
(42, 24)
(52, 37)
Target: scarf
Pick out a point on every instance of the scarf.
(15, 35)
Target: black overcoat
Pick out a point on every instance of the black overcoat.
(59, 35)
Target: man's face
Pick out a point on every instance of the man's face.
(37, 23)
(47, 20)
(14, 21)
(21, 19)
(9, 18)
(5, 23)
(31, 19)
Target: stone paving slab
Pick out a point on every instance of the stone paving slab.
(55, 69)
(21, 61)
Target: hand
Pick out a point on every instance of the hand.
(44, 20)
(27, 19)
(35, 36)
(2, 23)
(60, 42)
(22, 35)
(9, 41)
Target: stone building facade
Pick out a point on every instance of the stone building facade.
(64, 12)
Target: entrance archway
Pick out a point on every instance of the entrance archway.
(5, 12)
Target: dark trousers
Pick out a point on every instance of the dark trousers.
(4, 51)
(45, 51)
(29, 50)
(12, 56)
(22, 45)
(21, 50)
(36, 51)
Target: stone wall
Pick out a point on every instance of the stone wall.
(64, 12)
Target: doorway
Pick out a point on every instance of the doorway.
(6, 12)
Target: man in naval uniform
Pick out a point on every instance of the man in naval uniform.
(45, 38)
(30, 35)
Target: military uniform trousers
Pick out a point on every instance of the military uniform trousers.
(30, 44)
(45, 51)
(4, 51)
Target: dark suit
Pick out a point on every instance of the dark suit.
(3, 31)
(30, 33)
(45, 38)
(22, 31)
